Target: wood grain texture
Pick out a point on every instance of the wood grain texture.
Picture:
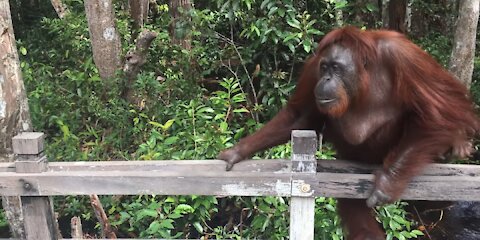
(145, 182)
(39, 220)
(302, 203)
(252, 178)
(28, 143)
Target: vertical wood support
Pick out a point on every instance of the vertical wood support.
(37, 211)
(302, 204)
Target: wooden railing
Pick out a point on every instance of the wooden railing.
(302, 178)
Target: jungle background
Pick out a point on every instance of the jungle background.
(213, 72)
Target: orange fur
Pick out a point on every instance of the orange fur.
(422, 113)
(341, 106)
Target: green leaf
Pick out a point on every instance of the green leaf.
(406, 234)
(394, 225)
(170, 140)
(294, 23)
(249, 5)
(156, 124)
(370, 7)
(198, 227)
(174, 215)
(335, 237)
(168, 124)
(272, 11)
(205, 109)
(167, 223)
(264, 3)
(154, 227)
(307, 47)
(165, 234)
(340, 4)
(399, 219)
(291, 47)
(330, 208)
(223, 126)
(314, 32)
(389, 237)
(417, 232)
(23, 50)
(184, 208)
(147, 213)
(266, 223)
(289, 37)
(241, 110)
(255, 29)
(219, 116)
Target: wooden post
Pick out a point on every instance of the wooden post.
(37, 211)
(302, 204)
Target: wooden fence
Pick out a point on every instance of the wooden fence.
(302, 179)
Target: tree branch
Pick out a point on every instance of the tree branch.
(135, 59)
(107, 231)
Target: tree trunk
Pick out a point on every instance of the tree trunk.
(134, 60)
(383, 5)
(104, 37)
(177, 38)
(408, 17)
(394, 14)
(60, 8)
(339, 17)
(138, 12)
(461, 61)
(14, 112)
(451, 16)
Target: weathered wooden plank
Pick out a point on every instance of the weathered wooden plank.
(7, 167)
(347, 185)
(38, 216)
(272, 165)
(302, 203)
(302, 218)
(38, 164)
(450, 181)
(341, 185)
(28, 143)
(342, 166)
(145, 182)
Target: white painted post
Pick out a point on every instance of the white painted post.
(37, 211)
(302, 204)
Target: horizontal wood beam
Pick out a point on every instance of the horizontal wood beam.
(270, 165)
(249, 178)
(342, 166)
(441, 188)
(145, 182)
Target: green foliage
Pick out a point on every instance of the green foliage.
(437, 45)
(268, 216)
(201, 126)
(327, 222)
(161, 217)
(394, 221)
(3, 219)
(188, 104)
(4, 228)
